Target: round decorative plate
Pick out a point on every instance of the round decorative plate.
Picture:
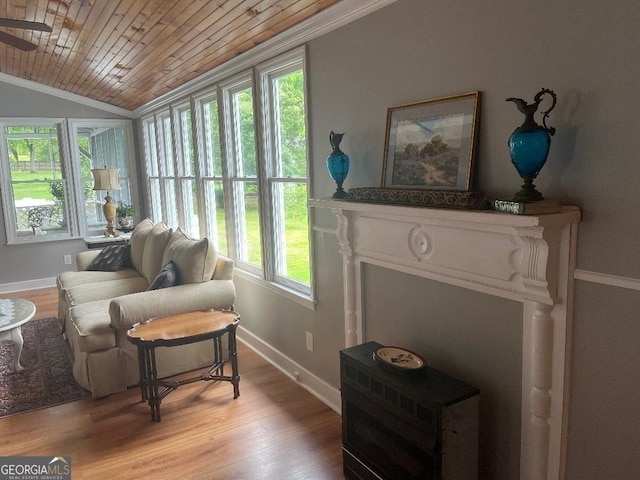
(399, 359)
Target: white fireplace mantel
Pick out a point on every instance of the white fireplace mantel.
(529, 259)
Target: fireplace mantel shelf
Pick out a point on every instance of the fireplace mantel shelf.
(525, 258)
(568, 214)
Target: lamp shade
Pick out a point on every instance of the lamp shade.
(105, 178)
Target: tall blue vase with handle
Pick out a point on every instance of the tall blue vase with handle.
(337, 163)
(529, 145)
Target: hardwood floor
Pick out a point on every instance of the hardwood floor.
(274, 430)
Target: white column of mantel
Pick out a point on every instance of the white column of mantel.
(536, 418)
(547, 271)
(538, 273)
(538, 297)
(352, 315)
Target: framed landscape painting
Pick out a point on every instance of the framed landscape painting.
(431, 144)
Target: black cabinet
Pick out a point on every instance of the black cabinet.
(397, 425)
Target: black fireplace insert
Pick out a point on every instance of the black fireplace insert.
(406, 426)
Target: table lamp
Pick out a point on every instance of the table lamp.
(107, 179)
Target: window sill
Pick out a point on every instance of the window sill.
(30, 239)
(293, 295)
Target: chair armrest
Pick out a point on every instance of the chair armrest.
(224, 269)
(128, 310)
(83, 259)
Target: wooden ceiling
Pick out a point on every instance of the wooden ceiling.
(129, 52)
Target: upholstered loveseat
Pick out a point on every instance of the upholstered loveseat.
(97, 307)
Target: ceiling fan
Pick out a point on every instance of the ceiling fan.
(18, 42)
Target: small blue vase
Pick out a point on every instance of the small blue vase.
(337, 163)
(529, 145)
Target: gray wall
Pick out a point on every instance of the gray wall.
(415, 50)
(21, 263)
(482, 348)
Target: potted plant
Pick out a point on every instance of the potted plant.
(124, 214)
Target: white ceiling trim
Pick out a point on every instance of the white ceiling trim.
(340, 14)
(72, 97)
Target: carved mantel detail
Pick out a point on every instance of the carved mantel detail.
(529, 259)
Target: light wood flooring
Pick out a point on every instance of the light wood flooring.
(274, 430)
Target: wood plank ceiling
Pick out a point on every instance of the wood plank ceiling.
(129, 52)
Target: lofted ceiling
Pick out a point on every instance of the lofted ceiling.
(129, 52)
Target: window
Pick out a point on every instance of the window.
(210, 153)
(241, 173)
(285, 157)
(36, 196)
(152, 165)
(47, 189)
(167, 206)
(186, 171)
(99, 144)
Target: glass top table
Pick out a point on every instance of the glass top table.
(15, 312)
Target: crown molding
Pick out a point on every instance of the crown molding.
(72, 97)
(336, 16)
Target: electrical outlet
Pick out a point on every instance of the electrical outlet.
(67, 259)
(309, 341)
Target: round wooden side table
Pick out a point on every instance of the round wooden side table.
(183, 329)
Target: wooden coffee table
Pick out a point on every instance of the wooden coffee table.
(183, 329)
(15, 312)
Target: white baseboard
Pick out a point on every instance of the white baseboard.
(28, 285)
(320, 389)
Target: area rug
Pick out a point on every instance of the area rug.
(47, 377)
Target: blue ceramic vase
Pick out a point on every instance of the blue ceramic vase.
(529, 145)
(337, 163)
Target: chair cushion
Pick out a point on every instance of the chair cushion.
(71, 279)
(137, 241)
(91, 292)
(154, 248)
(93, 326)
(111, 259)
(195, 259)
(168, 277)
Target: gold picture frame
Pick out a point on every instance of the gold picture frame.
(432, 144)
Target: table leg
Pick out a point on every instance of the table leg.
(142, 367)
(18, 342)
(218, 360)
(154, 396)
(233, 356)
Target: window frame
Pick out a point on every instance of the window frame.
(7, 191)
(150, 149)
(166, 170)
(232, 175)
(266, 74)
(72, 174)
(232, 158)
(208, 178)
(185, 167)
(127, 180)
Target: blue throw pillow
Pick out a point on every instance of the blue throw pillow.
(168, 277)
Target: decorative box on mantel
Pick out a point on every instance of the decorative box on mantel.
(420, 198)
(526, 258)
